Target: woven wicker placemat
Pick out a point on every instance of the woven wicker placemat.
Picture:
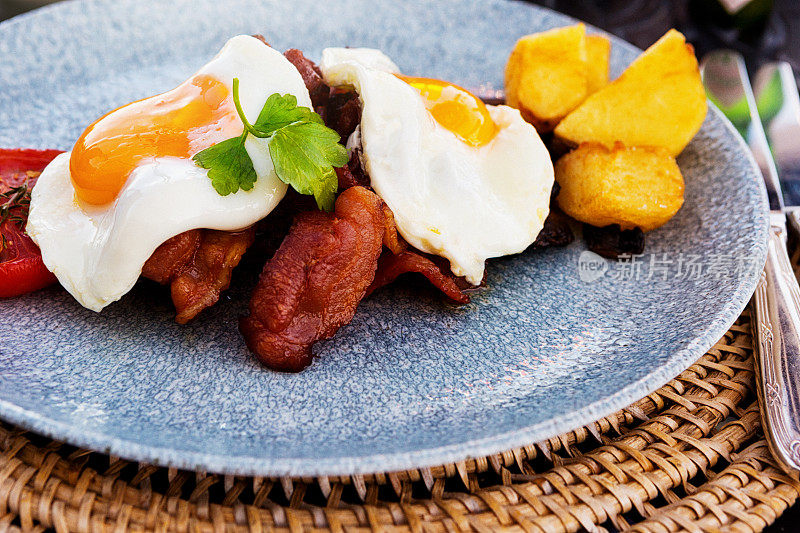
(688, 457)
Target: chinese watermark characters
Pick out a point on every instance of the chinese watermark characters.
(665, 267)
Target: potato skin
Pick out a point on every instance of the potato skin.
(546, 75)
(658, 101)
(635, 187)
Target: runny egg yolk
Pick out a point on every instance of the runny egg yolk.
(456, 109)
(179, 123)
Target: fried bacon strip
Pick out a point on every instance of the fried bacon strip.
(399, 258)
(312, 76)
(343, 112)
(391, 238)
(434, 268)
(314, 282)
(352, 174)
(197, 264)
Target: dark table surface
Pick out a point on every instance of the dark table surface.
(641, 22)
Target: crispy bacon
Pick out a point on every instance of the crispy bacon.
(352, 174)
(434, 268)
(343, 112)
(314, 282)
(312, 76)
(198, 265)
(170, 257)
(391, 238)
(399, 258)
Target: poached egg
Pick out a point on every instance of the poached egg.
(464, 180)
(99, 212)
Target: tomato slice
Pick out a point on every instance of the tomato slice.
(21, 267)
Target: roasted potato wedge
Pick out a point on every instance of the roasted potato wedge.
(598, 53)
(633, 187)
(658, 101)
(546, 75)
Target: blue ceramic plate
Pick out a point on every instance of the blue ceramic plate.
(557, 339)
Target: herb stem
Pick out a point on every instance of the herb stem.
(248, 128)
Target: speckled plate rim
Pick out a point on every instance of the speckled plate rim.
(468, 449)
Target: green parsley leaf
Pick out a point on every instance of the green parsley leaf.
(303, 150)
(281, 111)
(304, 155)
(229, 166)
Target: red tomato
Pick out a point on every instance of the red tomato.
(21, 266)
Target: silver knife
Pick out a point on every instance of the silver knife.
(778, 102)
(776, 300)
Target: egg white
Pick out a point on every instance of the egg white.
(97, 252)
(464, 203)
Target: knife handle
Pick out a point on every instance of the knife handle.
(777, 311)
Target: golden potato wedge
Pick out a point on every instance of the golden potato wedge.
(632, 187)
(546, 75)
(598, 53)
(658, 101)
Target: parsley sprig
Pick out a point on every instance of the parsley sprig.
(303, 151)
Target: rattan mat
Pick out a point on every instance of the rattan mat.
(688, 457)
